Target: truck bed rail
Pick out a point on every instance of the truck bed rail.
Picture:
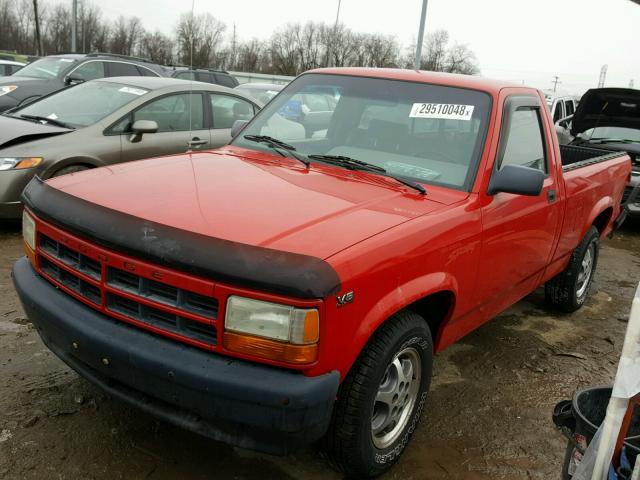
(574, 156)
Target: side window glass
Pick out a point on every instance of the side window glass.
(172, 112)
(186, 76)
(525, 146)
(123, 126)
(205, 77)
(225, 81)
(569, 106)
(557, 113)
(226, 110)
(117, 69)
(90, 70)
(145, 72)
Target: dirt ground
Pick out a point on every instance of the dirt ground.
(488, 415)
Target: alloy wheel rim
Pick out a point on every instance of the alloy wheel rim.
(586, 270)
(396, 397)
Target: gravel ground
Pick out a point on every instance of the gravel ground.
(488, 415)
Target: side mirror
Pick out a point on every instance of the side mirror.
(73, 79)
(237, 127)
(516, 179)
(140, 127)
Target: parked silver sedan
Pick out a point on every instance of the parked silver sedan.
(112, 120)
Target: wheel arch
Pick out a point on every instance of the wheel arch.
(90, 162)
(600, 216)
(432, 296)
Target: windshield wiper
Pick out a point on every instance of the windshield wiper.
(52, 121)
(353, 164)
(277, 145)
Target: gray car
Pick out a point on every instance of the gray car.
(112, 120)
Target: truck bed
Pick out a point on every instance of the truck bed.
(574, 156)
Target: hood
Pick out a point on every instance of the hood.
(14, 131)
(256, 199)
(607, 107)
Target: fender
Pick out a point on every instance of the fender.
(91, 161)
(394, 301)
(600, 206)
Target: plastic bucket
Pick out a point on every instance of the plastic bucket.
(580, 418)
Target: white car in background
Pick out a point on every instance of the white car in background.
(561, 106)
(8, 67)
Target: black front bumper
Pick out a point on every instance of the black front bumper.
(236, 402)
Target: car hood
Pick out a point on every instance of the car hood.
(14, 131)
(607, 107)
(256, 199)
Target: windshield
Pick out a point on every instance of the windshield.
(421, 132)
(261, 94)
(45, 68)
(85, 104)
(618, 133)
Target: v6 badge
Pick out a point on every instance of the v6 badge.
(344, 299)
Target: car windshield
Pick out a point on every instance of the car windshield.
(421, 132)
(83, 105)
(45, 68)
(261, 94)
(618, 133)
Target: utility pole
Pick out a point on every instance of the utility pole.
(423, 17)
(39, 49)
(330, 62)
(74, 26)
(603, 76)
(631, 83)
(556, 81)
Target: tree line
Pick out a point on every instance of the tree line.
(202, 40)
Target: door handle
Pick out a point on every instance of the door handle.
(197, 142)
(551, 195)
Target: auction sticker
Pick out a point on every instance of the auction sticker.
(133, 91)
(443, 111)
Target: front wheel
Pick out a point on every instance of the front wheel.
(568, 290)
(381, 399)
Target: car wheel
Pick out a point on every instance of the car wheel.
(381, 399)
(70, 169)
(568, 290)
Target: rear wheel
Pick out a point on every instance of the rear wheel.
(381, 399)
(568, 290)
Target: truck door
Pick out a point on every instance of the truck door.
(519, 232)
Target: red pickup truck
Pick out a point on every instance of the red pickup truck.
(294, 285)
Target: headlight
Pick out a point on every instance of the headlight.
(271, 330)
(19, 163)
(29, 230)
(7, 89)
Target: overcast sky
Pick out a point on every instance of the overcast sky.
(520, 40)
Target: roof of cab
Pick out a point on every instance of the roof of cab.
(451, 79)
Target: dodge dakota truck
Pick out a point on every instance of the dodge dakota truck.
(293, 286)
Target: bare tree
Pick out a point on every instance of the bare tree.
(439, 56)
(199, 39)
(157, 47)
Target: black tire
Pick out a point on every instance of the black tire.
(70, 169)
(565, 291)
(349, 443)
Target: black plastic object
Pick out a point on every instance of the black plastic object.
(581, 417)
(235, 263)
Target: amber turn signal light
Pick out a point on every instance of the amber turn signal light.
(270, 349)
